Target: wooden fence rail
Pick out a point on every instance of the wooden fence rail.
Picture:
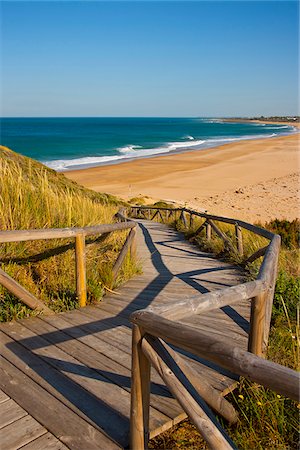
(155, 325)
(151, 344)
(79, 233)
(262, 295)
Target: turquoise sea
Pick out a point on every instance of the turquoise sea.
(73, 143)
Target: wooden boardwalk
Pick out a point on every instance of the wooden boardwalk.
(68, 375)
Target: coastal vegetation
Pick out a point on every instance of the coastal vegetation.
(33, 196)
(266, 420)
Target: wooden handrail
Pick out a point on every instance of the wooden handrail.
(208, 301)
(247, 226)
(152, 330)
(159, 324)
(186, 395)
(285, 381)
(261, 307)
(58, 233)
(55, 233)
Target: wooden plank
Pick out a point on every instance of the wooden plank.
(121, 338)
(97, 370)
(67, 391)
(56, 417)
(3, 397)
(103, 345)
(10, 412)
(19, 433)
(107, 363)
(45, 442)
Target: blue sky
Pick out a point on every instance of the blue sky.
(149, 58)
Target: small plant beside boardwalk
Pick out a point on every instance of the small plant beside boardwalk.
(33, 196)
(266, 420)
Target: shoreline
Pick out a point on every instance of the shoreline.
(191, 148)
(210, 179)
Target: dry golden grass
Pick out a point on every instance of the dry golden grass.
(33, 196)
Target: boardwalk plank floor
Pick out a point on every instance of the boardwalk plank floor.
(65, 379)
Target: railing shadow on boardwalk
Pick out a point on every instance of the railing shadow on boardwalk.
(154, 288)
(154, 328)
(80, 398)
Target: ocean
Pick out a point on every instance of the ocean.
(75, 143)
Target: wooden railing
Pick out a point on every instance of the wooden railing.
(156, 327)
(79, 233)
(260, 291)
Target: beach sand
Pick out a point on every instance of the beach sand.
(253, 180)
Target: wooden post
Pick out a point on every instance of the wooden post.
(188, 399)
(80, 269)
(154, 215)
(281, 379)
(239, 239)
(123, 252)
(227, 242)
(183, 218)
(268, 272)
(140, 393)
(191, 220)
(255, 343)
(208, 231)
(133, 243)
(208, 393)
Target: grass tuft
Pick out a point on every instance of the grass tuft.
(33, 196)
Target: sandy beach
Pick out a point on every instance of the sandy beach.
(254, 180)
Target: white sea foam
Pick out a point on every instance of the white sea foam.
(136, 151)
(190, 138)
(128, 148)
(279, 127)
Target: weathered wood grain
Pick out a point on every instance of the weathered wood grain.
(45, 442)
(82, 358)
(56, 233)
(80, 269)
(284, 380)
(19, 433)
(10, 412)
(187, 397)
(72, 430)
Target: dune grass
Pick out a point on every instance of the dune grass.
(33, 196)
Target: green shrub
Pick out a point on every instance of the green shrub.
(288, 289)
(289, 231)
